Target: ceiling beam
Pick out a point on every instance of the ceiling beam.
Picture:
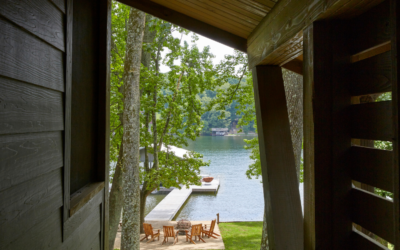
(279, 35)
(189, 23)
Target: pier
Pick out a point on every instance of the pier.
(170, 205)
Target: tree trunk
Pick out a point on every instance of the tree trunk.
(148, 38)
(131, 139)
(264, 239)
(116, 197)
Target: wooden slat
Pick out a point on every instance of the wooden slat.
(221, 22)
(245, 7)
(371, 28)
(84, 195)
(262, 5)
(68, 99)
(40, 17)
(373, 213)
(395, 31)
(288, 18)
(370, 52)
(46, 235)
(28, 108)
(372, 166)
(282, 200)
(103, 114)
(309, 150)
(85, 232)
(27, 204)
(207, 6)
(60, 4)
(245, 11)
(75, 221)
(372, 75)
(27, 58)
(372, 121)
(232, 13)
(26, 156)
(95, 244)
(202, 28)
(360, 241)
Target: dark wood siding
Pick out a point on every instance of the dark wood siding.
(42, 118)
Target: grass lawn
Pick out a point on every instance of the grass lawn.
(241, 235)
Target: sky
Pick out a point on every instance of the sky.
(217, 49)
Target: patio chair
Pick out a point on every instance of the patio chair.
(148, 231)
(210, 231)
(196, 232)
(169, 231)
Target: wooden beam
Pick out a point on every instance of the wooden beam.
(277, 34)
(295, 65)
(189, 23)
(281, 195)
(395, 25)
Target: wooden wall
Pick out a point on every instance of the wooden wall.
(343, 60)
(50, 62)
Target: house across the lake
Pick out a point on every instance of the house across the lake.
(219, 131)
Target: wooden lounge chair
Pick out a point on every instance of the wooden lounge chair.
(169, 231)
(196, 232)
(148, 231)
(210, 231)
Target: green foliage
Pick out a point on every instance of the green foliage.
(173, 97)
(119, 15)
(385, 145)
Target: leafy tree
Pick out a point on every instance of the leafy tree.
(171, 110)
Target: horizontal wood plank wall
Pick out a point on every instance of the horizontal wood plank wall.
(395, 25)
(33, 94)
(281, 195)
(31, 124)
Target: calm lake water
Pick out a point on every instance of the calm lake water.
(238, 198)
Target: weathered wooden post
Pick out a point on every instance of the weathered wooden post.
(217, 218)
(281, 192)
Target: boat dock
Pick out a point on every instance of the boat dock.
(170, 205)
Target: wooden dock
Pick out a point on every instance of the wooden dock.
(170, 205)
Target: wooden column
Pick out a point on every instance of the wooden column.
(395, 20)
(327, 181)
(281, 192)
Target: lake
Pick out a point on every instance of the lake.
(238, 198)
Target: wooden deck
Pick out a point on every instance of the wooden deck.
(170, 205)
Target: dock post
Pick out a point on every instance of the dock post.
(218, 218)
